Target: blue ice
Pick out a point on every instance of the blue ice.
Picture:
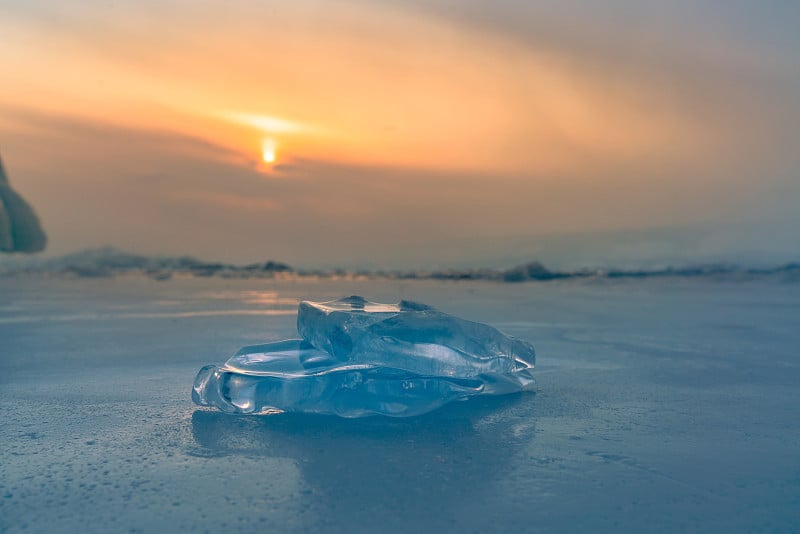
(358, 358)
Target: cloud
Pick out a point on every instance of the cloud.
(221, 200)
(266, 123)
(445, 122)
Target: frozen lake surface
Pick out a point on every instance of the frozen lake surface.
(660, 405)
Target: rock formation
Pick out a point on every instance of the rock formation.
(20, 230)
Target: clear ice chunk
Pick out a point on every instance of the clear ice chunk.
(360, 358)
(293, 376)
(416, 338)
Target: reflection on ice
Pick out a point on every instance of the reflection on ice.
(111, 316)
(432, 464)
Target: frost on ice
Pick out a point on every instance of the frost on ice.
(360, 358)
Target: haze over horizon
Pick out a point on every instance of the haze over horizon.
(408, 134)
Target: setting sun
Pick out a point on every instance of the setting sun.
(268, 150)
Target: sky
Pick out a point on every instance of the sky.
(408, 134)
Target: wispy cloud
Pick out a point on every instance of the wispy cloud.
(266, 123)
(398, 123)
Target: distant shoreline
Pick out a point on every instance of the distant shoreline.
(108, 262)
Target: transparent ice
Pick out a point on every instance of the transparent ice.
(360, 358)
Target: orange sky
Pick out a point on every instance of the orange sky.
(552, 119)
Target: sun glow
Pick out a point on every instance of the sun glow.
(265, 123)
(268, 150)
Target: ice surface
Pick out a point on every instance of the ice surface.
(362, 358)
(663, 405)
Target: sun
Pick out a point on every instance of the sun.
(268, 150)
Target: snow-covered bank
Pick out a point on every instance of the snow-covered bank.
(108, 262)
